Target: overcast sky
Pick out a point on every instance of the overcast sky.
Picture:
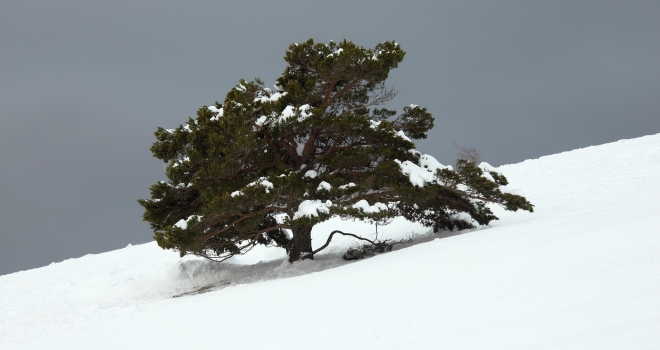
(84, 84)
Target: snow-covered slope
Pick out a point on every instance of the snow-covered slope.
(581, 272)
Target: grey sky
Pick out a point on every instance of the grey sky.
(84, 84)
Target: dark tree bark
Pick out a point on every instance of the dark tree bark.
(300, 246)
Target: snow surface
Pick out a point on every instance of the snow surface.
(581, 272)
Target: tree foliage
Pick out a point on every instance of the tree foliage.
(264, 166)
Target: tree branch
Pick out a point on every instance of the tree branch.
(376, 242)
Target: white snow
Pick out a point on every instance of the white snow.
(375, 123)
(300, 147)
(402, 135)
(429, 162)
(312, 208)
(305, 112)
(262, 181)
(581, 272)
(324, 186)
(272, 98)
(419, 175)
(343, 187)
(364, 206)
(215, 109)
(183, 223)
(261, 120)
(288, 112)
(311, 174)
(339, 51)
(486, 167)
(180, 161)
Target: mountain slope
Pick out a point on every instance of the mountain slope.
(580, 272)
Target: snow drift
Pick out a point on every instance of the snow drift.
(581, 272)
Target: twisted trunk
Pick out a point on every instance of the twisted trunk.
(300, 247)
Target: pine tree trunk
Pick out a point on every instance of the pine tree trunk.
(301, 244)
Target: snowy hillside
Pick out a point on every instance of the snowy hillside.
(581, 272)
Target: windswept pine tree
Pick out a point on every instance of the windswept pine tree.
(265, 166)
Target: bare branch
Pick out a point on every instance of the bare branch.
(375, 243)
(470, 154)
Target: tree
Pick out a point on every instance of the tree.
(265, 166)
